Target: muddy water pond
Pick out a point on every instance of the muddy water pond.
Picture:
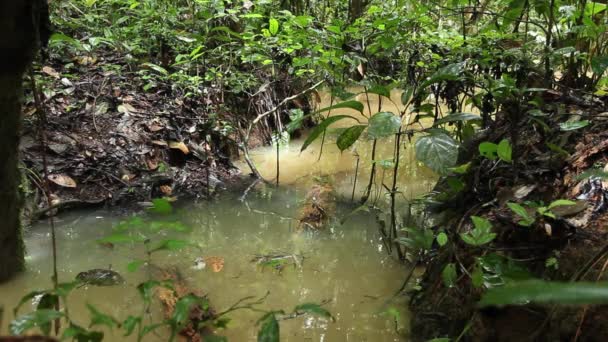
(345, 267)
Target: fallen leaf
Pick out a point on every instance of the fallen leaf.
(155, 127)
(152, 164)
(63, 180)
(216, 263)
(159, 143)
(51, 72)
(178, 145)
(126, 108)
(166, 190)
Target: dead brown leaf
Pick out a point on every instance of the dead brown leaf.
(166, 190)
(51, 72)
(63, 180)
(216, 263)
(178, 145)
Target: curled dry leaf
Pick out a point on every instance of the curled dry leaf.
(51, 72)
(216, 263)
(166, 190)
(178, 145)
(63, 180)
(159, 143)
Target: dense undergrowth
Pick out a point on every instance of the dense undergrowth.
(521, 149)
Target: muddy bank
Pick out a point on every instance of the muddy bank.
(114, 136)
(568, 244)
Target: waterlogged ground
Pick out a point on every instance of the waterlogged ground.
(344, 265)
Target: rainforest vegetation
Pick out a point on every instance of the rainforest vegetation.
(162, 115)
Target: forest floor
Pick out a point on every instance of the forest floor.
(569, 246)
(109, 141)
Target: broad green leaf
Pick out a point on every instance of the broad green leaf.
(561, 202)
(504, 150)
(383, 124)
(477, 277)
(146, 289)
(527, 219)
(437, 151)
(38, 318)
(356, 105)
(406, 96)
(450, 72)
(80, 334)
(542, 292)
(449, 275)
(488, 150)
(183, 307)
(461, 169)
(135, 265)
(59, 37)
(458, 117)
(321, 127)
(99, 318)
(315, 309)
(171, 245)
(157, 68)
(161, 206)
(350, 136)
(117, 238)
(269, 331)
(64, 289)
(47, 302)
(481, 223)
(593, 7)
(442, 239)
(27, 298)
(599, 64)
(573, 125)
(380, 90)
(273, 26)
(130, 324)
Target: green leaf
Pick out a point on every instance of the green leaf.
(273, 26)
(184, 305)
(27, 298)
(504, 150)
(437, 151)
(406, 96)
(269, 332)
(477, 277)
(315, 309)
(321, 127)
(573, 125)
(599, 64)
(461, 169)
(542, 292)
(59, 37)
(442, 239)
(481, 234)
(157, 68)
(383, 124)
(488, 150)
(380, 90)
(135, 265)
(80, 334)
(146, 290)
(130, 324)
(458, 117)
(350, 136)
(450, 72)
(171, 245)
(449, 275)
(527, 219)
(38, 318)
(161, 206)
(560, 202)
(99, 318)
(356, 105)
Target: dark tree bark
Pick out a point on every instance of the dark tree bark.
(18, 39)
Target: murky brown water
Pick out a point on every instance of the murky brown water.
(345, 266)
(298, 168)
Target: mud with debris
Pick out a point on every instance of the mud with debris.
(108, 140)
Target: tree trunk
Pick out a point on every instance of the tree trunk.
(17, 42)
